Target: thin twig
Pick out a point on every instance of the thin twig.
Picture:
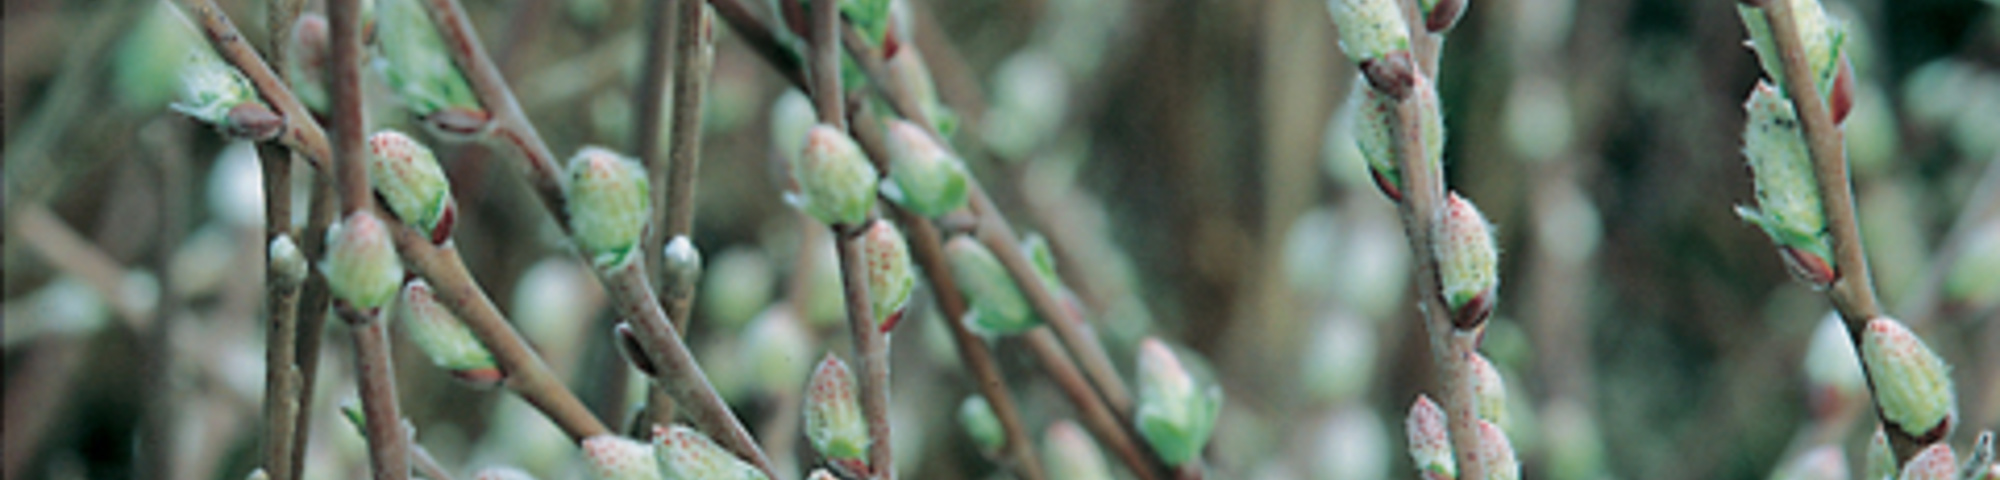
(157, 434)
(1853, 290)
(667, 358)
(761, 39)
(1096, 417)
(1424, 192)
(314, 299)
(926, 247)
(281, 297)
(349, 123)
(632, 291)
(694, 47)
(527, 374)
(388, 442)
(995, 231)
(870, 347)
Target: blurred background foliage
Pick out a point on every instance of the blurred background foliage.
(1189, 162)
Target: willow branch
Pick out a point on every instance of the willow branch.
(314, 299)
(1096, 417)
(663, 355)
(631, 290)
(388, 443)
(927, 248)
(301, 133)
(1853, 290)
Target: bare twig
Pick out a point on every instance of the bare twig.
(926, 247)
(1853, 290)
(1423, 199)
(388, 442)
(1096, 417)
(157, 434)
(631, 290)
(314, 299)
(666, 357)
(281, 297)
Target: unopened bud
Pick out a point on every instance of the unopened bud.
(287, 262)
(821, 474)
(685, 454)
(1912, 385)
(1468, 262)
(1369, 29)
(923, 176)
(1822, 463)
(1496, 454)
(502, 473)
(443, 337)
(890, 280)
(307, 55)
(1176, 414)
(1823, 39)
(981, 423)
(1430, 440)
(1489, 390)
(1441, 15)
(833, 413)
(1834, 380)
(681, 261)
(833, 181)
(1935, 462)
(417, 63)
(612, 457)
(1375, 129)
(361, 265)
(608, 205)
(1881, 460)
(217, 94)
(1071, 455)
(1036, 248)
(999, 308)
(1788, 197)
(411, 183)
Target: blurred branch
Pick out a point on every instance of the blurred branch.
(71, 253)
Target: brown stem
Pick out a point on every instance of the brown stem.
(694, 46)
(994, 231)
(827, 96)
(673, 366)
(511, 126)
(349, 122)
(301, 134)
(1853, 291)
(1079, 337)
(631, 290)
(1423, 196)
(1099, 419)
(926, 246)
(869, 347)
(281, 299)
(760, 39)
(388, 443)
(314, 299)
(527, 374)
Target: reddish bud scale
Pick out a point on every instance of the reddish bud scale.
(254, 122)
(446, 220)
(481, 378)
(634, 354)
(1444, 15)
(1935, 462)
(459, 122)
(1388, 188)
(1394, 74)
(1840, 99)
